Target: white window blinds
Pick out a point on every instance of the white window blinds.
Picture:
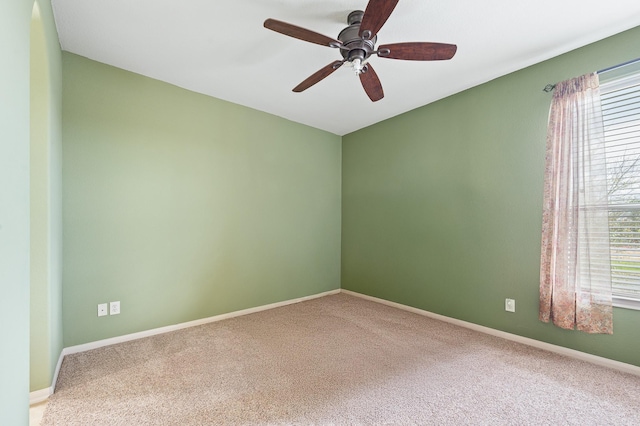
(621, 114)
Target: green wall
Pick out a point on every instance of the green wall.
(45, 197)
(182, 206)
(442, 205)
(15, 16)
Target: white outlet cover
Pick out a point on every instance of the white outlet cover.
(114, 308)
(510, 305)
(102, 309)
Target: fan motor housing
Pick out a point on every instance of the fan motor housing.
(355, 46)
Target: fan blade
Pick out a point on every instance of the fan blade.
(300, 33)
(375, 15)
(318, 76)
(371, 84)
(418, 51)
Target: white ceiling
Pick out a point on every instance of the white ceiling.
(220, 48)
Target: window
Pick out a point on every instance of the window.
(621, 114)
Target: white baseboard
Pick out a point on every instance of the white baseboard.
(42, 395)
(147, 333)
(39, 396)
(594, 359)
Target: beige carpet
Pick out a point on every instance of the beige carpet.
(336, 360)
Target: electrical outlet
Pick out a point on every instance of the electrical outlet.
(102, 309)
(114, 308)
(510, 305)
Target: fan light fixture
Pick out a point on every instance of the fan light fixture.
(357, 43)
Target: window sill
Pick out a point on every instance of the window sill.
(626, 303)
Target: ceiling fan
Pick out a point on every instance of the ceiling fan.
(357, 43)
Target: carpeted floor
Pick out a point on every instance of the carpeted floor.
(336, 360)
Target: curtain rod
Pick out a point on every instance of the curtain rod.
(549, 87)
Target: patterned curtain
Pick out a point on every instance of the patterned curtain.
(575, 271)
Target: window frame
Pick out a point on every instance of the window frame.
(609, 83)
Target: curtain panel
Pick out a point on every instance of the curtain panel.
(575, 271)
